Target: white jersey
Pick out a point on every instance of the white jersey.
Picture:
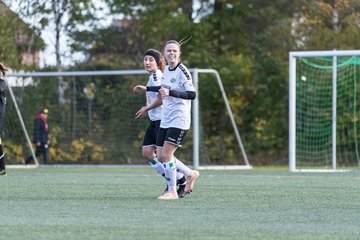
(176, 111)
(154, 80)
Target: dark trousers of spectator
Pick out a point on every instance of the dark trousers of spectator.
(40, 151)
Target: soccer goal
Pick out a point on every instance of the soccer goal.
(91, 120)
(324, 110)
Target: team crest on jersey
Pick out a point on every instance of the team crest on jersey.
(173, 80)
(155, 77)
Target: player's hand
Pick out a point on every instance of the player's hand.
(139, 89)
(164, 92)
(141, 113)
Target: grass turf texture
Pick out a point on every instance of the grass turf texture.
(122, 204)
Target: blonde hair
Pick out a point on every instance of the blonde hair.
(181, 42)
(172, 42)
(3, 69)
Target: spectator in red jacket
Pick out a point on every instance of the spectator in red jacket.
(41, 139)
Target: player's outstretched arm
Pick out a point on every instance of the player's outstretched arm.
(139, 89)
(143, 111)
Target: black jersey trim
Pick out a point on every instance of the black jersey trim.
(174, 67)
(155, 77)
(182, 68)
(153, 88)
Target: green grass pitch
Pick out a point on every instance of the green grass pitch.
(122, 204)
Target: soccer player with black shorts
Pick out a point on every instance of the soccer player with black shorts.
(3, 87)
(154, 63)
(177, 92)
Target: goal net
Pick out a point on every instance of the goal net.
(324, 110)
(91, 120)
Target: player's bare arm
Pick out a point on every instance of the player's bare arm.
(143, 111)
(139, 89)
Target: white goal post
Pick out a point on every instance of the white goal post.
(196, 161)
(323, 116)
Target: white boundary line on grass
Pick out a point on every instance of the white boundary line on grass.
(18, 166)
(224, 167)
(325, 170)
(77, 166)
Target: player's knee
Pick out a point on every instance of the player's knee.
(148, 154)
(165, 158)
(160, 159)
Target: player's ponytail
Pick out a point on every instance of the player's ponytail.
(3, 69)
(162, 63)
(185, 40)
(181, 42)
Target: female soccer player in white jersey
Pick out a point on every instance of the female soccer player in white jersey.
(154, 63)
(177, 91)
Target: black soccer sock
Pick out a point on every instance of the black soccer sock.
(181, 181)
(2, 159)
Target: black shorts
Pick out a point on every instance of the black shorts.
(3, 87)
(2, 110)
(151, 133)
(174, 136)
